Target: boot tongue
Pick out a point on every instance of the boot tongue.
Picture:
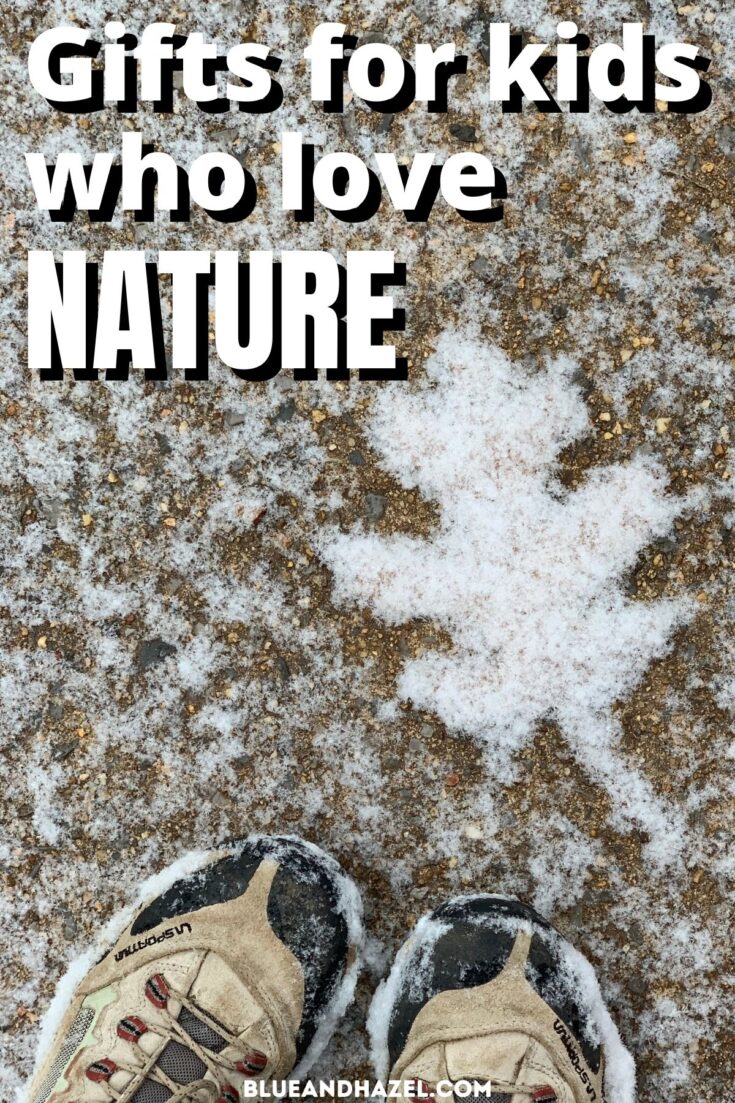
(510, 1058)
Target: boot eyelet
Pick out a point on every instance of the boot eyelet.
(131, 1029)
(228, 1094)
(251, 1065)
(157, 991)
(99, 1072)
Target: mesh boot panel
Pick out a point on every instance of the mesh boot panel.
(202, 1034)
(68, 1048)
(181, 1064)
(151, 1093)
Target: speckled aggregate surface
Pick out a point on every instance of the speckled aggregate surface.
(177, 665)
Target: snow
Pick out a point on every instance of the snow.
(560, 865)
(524, 576)
(620, 1077)
(599, 787)
(350, 906)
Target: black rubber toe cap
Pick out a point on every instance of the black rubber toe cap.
(472, 951)
(305, 910)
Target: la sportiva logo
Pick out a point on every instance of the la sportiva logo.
(154, 940)
(575, 1059)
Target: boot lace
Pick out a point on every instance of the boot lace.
(143, 1067)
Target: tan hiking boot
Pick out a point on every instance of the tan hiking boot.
(240, 970)
(486, 990)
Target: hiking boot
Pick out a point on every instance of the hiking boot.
(486, 990)
(239, 970)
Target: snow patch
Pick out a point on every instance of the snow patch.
(524, 574)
